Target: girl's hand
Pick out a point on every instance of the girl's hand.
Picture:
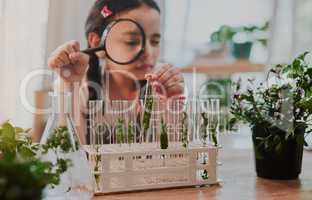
(168, 82)
(69, 62)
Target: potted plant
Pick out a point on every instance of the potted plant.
(22, 174)
(241, 38)
(279, 113)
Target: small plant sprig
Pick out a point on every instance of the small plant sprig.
(97, 166)
(163, 135)
(61, 139)
(120, 131)
(148, 106)
(14, 142)
(60, 142)
(203, 127)
(131, 132)
(185, 141)
(204, 175)
(213, 132)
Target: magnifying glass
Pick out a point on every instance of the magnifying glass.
(123, 41)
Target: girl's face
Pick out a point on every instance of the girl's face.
(149, 19)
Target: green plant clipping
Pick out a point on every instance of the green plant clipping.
(131, 132)
(213, 132)
(149, 101)
(97, 166)
(204, 175)
(61, 139)
(204, 127)
(185, 141)
(120, 128)
(163, 135)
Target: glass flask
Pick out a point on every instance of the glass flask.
(77, 182)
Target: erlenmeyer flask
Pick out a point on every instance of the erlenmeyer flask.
(77, 182)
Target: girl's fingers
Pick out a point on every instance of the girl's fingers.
(159, 88)
(69, 50)
(169, 82)
(173, 83)
(169, 74)
(78, 57)
(177, 79)
(59, 62)
(75, 45)
(150, 77)
(175, 90)
(64, 57)
(163, 69)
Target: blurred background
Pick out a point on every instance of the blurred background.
(212, 41)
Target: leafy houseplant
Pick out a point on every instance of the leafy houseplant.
(241, 38)
(279, 114)
(22, 174)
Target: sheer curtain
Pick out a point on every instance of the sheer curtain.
(23, 28)
(66, 22)
(29, 31)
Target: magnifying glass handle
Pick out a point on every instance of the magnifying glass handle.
(93, 50)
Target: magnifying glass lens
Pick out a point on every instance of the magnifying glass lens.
(124, 42)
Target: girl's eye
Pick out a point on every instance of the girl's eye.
(155, 42)
(133, 43)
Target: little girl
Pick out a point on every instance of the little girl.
(99, 77)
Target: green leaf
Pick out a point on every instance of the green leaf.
(19, 130)
(260, 138)
(300, 139)
(8, 131)
(286, 69)
(120, 131)
(214, 139)
(278, 147)
(258, 154)
(232, 122)
(302, 56)
(26, 152)
(163, 135)
(131, 131)
(264, 42)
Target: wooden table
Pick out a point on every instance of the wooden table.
(239, 179)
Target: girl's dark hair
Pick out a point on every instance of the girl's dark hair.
(97, 23)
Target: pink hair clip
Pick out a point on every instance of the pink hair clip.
(106, 12)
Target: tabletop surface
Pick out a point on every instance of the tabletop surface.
(238, 176)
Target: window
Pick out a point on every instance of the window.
(189, 23)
